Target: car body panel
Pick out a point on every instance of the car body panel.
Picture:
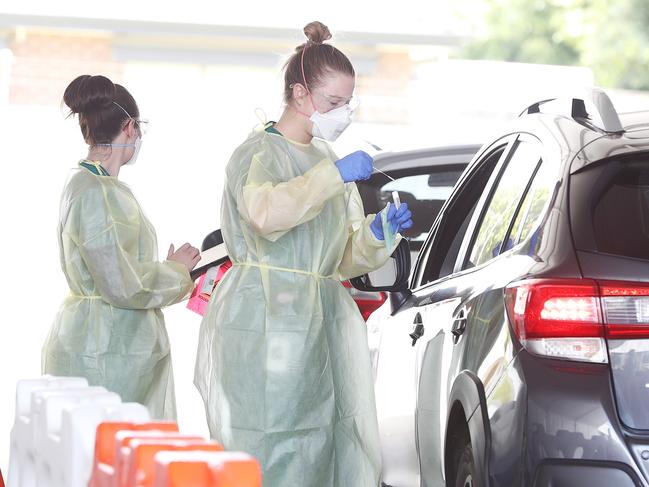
(532, 420)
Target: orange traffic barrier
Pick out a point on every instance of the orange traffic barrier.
(206, 469)
(103, 471)
(138, 467)
(123, 441)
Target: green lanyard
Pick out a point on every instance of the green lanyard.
(270, 128)
(94, 167)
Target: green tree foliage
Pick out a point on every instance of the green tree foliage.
(610, 36)
(616, 42)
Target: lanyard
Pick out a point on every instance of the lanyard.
(98, 168)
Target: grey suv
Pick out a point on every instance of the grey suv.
(518, 353)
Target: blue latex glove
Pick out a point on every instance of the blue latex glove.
(400, 219)
(356, 166)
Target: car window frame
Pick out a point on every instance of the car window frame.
(487, 195)
(519, 240)
(467, 178)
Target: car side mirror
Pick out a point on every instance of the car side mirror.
(392, 277)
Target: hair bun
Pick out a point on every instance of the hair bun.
(88, 93)
(317, 32)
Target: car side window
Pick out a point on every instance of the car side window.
(532, 210)
(489, 240)
(440, 256)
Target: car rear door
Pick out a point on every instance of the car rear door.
(502, 247)
(442, 292)
(466, 310)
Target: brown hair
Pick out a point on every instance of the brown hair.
(97, 101)
(318, 59)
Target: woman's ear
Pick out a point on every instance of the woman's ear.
(130, 128)
(299, 93)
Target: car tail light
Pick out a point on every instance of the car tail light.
(626, 309)
(367, 302)
(559, 318)
(571, 318)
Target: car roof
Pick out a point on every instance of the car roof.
(432, 156)
(635, 138)
(580, 142)
(632, 121)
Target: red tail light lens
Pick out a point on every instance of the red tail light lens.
(552, 309)
(558, 318)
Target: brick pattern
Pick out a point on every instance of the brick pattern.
(44, 64)
(382, 92)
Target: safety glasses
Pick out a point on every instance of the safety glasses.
(333, 101)
(142, 125)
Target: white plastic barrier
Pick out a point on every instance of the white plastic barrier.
(53, 438)
(72, 465)
(22, 468)
(79, 433)
(48, 415)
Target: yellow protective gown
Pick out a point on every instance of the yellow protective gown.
(110, 328)
(283, 364)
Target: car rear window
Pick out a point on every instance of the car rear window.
(612, 202)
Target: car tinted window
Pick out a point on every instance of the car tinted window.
(442, 252)
(536, 199)
(504, 202)
(619, 208)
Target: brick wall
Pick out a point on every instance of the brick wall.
(44, 64)
(382, 93)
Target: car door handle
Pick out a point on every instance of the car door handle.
(418, 332)
(459, 325)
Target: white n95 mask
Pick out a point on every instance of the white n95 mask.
(330, 125)
(136, 152)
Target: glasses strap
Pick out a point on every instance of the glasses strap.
(123, 109)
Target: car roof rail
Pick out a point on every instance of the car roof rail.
(603, 108)
(535, 107)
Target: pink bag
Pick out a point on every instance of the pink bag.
(202, 293)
